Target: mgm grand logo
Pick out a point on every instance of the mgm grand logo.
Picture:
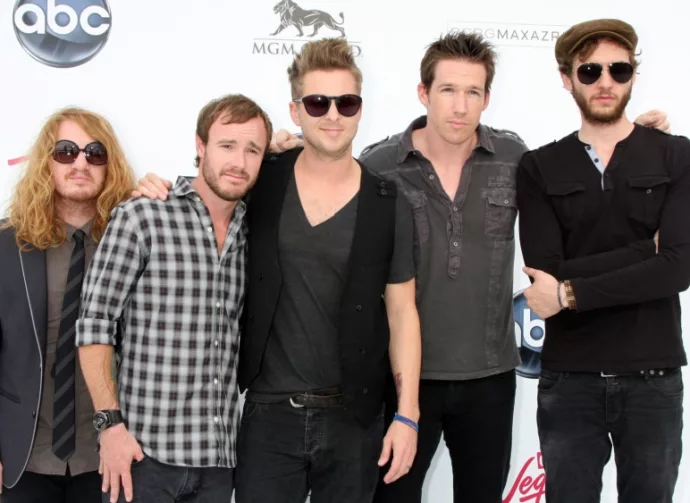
(294, 18)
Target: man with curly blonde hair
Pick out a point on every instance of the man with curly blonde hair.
(75, 174)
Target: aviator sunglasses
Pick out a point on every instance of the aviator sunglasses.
(66, 152)
(317, 105)
(620, 71)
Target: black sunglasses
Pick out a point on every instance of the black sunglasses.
(620, 71)
(66, 152)
(317, 105)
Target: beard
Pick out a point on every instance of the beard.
(602, 117)
(226, 194)
(70, 192)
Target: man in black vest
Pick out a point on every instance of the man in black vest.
(47, 440)
(329, 242)
(330, 270)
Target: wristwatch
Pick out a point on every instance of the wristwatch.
(104, 419)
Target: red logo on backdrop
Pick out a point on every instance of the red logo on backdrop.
(529, 484)
(16, 160)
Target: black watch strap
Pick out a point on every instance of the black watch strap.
(104, 419)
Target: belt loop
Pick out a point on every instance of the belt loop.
(295, 405)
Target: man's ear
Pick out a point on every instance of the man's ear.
(200, 148)
(294, 114)
(423, 94)
(567, 82)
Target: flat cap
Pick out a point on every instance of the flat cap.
(573, 38)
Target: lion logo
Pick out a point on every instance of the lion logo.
(292, 14)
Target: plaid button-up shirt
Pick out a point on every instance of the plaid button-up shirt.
(158, 290)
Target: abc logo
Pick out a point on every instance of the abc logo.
(529, 332)
(63, 34)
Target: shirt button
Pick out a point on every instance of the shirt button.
(455, 208)
(431, 177)
(365, 391)
(661, 372)
(215, 419)
(455, 243)
(384, 192)
(359, 307)
(652, 372)
(209, 229)
(596, 160)
(506, 201)
(649, 191)
(216, 343)
(218, 305)
(215, 381)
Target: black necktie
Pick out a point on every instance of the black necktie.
(63, 402)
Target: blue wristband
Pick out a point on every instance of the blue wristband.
(406, 420)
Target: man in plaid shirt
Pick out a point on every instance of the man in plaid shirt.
(165, 291)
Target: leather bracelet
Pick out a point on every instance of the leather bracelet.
(406, 420)
(570, 295)
(558, 294)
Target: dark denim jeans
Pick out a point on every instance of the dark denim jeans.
(154, 482)
(476, 420)
(284, 452)
(582, 416)
(37, 488)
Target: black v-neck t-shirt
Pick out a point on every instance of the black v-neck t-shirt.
(302, 350)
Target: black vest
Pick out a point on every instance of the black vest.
(363, 324)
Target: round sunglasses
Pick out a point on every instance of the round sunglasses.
(620, 71)
(66, 152)
(317, 105)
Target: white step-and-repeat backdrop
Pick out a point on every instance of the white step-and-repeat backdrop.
(150, 65)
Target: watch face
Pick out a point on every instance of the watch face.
(100, 420)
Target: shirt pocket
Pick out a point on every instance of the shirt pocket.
(568, 199)
(420, 214)
(500, 214)
(645, 197)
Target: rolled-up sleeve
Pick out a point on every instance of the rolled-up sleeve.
(110, 279)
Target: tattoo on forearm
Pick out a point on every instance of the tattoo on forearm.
(398, 383)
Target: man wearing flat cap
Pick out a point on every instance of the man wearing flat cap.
(603, 229)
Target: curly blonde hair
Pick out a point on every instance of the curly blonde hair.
(32, 211)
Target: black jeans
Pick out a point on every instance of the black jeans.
(37, 488)
(154, 482)
(283, 452)
(476, 419)
(582, 416)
